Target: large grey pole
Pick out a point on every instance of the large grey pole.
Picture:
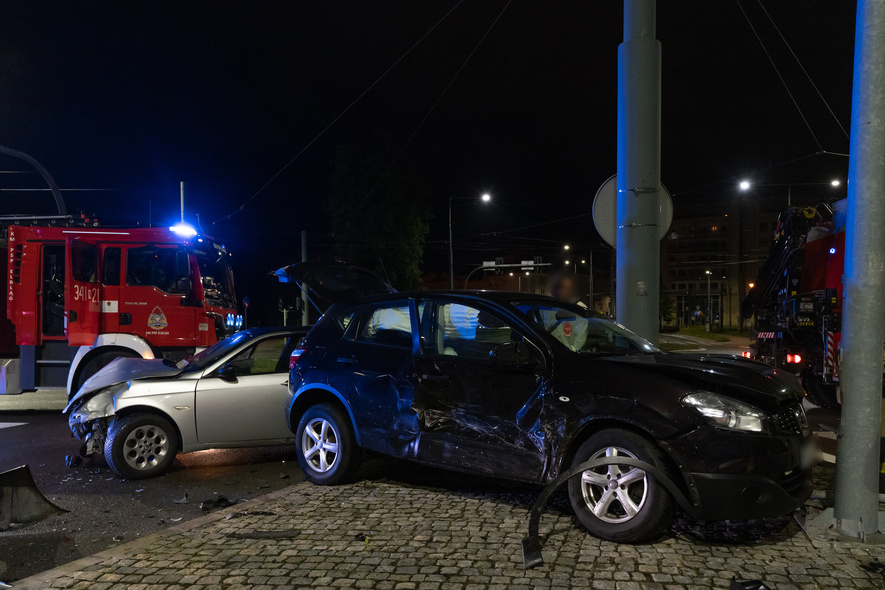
(305, 302)
(863, 321)
(639, 170)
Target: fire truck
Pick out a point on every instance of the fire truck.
(79, 296)
(797, 299)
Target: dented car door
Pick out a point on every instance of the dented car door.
(476, 412)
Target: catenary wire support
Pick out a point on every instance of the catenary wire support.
(531, 545)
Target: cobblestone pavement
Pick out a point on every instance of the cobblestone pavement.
(449, 531)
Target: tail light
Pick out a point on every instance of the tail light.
(747, 354)
(794, 358)
(293, 358)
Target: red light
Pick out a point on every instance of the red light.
(794, 358)
(746, 354)
(293, 358)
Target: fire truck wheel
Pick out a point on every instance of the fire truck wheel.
(821, 394)
(139, 446)
(98, 363)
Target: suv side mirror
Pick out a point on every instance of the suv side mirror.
(510, 354)
(227, 373)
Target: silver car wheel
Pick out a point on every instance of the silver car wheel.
(319, 444)
(614, 493)
(145, 447)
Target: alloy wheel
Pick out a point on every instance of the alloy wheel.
(145, 447)
(614, 493)
(319, 444)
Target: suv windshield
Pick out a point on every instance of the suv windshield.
(217, 277)
(582, 330)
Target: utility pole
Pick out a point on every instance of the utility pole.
(857, 471)
(305, 308)
(639, 171)
(183, 189)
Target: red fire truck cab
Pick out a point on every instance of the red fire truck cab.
(79, 297)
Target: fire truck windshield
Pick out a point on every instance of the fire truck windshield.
(217, 277)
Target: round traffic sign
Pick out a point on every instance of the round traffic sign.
(605, 212)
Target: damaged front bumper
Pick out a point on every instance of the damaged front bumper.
(89, 420)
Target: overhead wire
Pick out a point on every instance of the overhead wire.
(804, 71)
(342, 113)
(777, 71)
(432, 108)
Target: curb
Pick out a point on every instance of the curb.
(44, 579)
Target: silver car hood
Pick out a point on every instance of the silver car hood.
(122, 370)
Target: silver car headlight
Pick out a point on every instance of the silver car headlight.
(726, 412)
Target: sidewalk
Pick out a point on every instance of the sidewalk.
(430, 529)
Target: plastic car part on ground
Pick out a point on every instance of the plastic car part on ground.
(21, 502)
(531, 545)
(749, 585)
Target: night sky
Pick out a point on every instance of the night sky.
(137, 96)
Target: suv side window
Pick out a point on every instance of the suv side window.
(263, 358)
(388, 324)
(455, 329)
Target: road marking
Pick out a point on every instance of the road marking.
(11, 424)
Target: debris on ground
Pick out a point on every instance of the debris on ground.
(175, 519)
(283, 534)
(874, 567)
(248, 513)
(117, 538)
(182, 500)
(749, 585)
(73, 460)
(216, 504)
(2, 585)
(284, 476)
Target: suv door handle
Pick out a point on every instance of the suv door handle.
(347, 360)
(435, 377)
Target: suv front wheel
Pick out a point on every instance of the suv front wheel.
(326, 444)
(620, 503)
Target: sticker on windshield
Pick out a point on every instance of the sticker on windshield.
(157, 319)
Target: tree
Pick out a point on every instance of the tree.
(667, 307)
(379, 214)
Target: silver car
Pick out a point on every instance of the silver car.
(141, 413)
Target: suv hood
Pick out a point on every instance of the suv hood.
(745, 380)
(327, 283)
(122, 370)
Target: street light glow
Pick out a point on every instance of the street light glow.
(583, 262)
(566, 262)
(744, 185)
(486, 197)
(835, 182)
(708, 272)
(566, 247)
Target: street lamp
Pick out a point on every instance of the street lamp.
(746, 185)
(485, 198)
(709, 300)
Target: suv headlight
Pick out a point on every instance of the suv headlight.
(726, 412)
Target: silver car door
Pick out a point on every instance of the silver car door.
(246, 402)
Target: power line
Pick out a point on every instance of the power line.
(773, 65)
(431, 109)
(804, 71)
(342, 113)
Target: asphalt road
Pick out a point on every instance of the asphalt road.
(106, 510)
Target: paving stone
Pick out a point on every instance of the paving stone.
(439, 537)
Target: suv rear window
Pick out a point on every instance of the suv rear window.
(389, 325)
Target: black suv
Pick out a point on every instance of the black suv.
(520, 386)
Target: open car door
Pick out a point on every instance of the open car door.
(82, 291)
(327, 283)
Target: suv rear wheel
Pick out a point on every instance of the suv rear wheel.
(326, 444)
(620, 503)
